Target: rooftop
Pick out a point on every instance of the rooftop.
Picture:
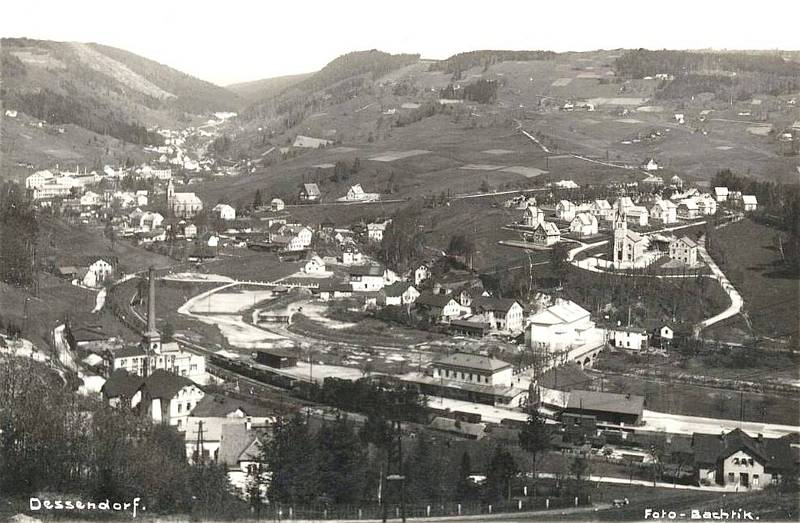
(606, 402)
(465, 360)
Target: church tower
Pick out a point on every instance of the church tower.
(170, 197)
(620, 233)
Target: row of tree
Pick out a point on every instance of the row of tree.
(19, 229)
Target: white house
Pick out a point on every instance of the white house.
(602, 210)
(440, 308)
(749, 202)
(638, 215)
(664, 211)
(421, 274)
(190, 231)
(224, 211)
(375, 230)
(533, 216)
(97, 273)
(399, 293)
(628, 338)
(565, 210)
(546, 234)
(563, 326)
(276, 205)
(91, 199)
(502, 314)
(315, 265)
(584, 224)
(150, 220)
(355, 193)
(721, 194)
(688, 209)
(651, 165)
(352, 256)
(169, 398)
(367, 277)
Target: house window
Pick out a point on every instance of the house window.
(180, 407)
(735, 461)
(731, 477)
(755, 480)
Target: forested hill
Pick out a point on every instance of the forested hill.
(102, 89)
(257, 90)
(726, 74)
(463, 61)
(192, 94)
(340, 79)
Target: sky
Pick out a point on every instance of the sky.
(234, 41)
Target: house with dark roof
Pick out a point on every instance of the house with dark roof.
(438, 308)
(740, 461)
(215, 414)
(503, 313)
(309, 192)
(476, 329)
(398, 293)
(169, 398)
(367, 277)
(459, 428)
(607, 407)
(121, 388)
(683, 250)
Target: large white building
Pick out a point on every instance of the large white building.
(183, 204)
(565, 332)
(664, 211)
(474, 368)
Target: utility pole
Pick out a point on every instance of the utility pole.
(199, 444)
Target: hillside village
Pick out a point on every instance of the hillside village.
(245, 282)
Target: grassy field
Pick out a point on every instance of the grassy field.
(771, 295)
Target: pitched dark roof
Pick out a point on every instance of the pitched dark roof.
(366, 270)
(219, 406)
(234, 441)
(773, 453)
(163, 384)
(121, 383)
(473, 361)
(84, 333)
(606, 402)
(475, 430)
(434, 300)
(397, 288)
(487, 303)
(128, 351)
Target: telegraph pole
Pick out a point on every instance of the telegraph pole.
(199, 444)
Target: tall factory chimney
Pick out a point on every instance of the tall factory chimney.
(151, 340)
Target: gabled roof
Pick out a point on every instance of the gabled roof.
(563, 312)
(566, 204)
(434, 300)
(602, 204)
(479, 362)
(219, 406)
(686, 241)
(163, 384)
(397, 288)
(234, 441)
(128, 351)
(475, 430)
(366, 270)
(749, 199)
(488, 303)
(88, 333)
(549, 228)
(710, 448)
(606, 402)
(584, 218)
(121, 383)
(721, 191)
(664, 205)
(311, 189)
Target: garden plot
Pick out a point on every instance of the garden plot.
(628, 120)
(391, 156)
(528, 172)
(324, 166)
(760, 130)
(561, 82)
(498, 151)
(409, 105)
(482, 167)
(343, 149)
(724, 147)
(650, 109)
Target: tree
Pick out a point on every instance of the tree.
(257, 199)
(579, 471)
(534, 438)
(485, 187)
(404, 240)
(462, 245)
(341, 470)
(465, 487)
(498, 477)
(558, 262)
(19, 229)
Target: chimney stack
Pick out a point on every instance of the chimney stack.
(151, 301)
